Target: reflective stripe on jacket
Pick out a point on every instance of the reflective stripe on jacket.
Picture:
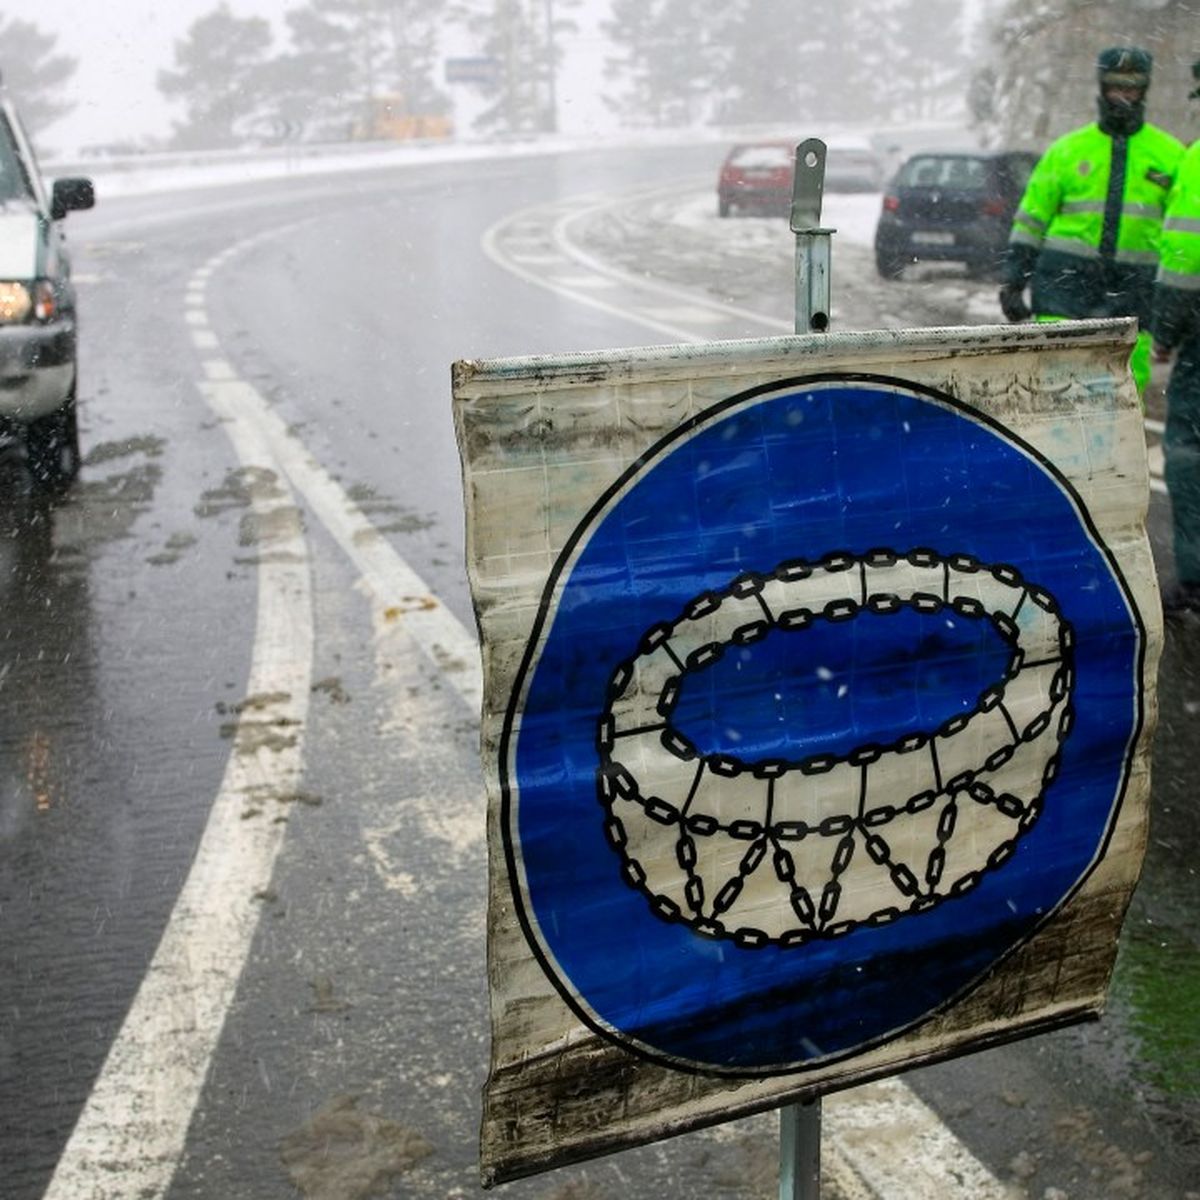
(1089, 223)
(1177, 291)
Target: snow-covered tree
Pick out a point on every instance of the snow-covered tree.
(33, 73)
(218, 77)
(355, 64)
(1038, 78)
(522, 38)
(924, 73)
(664, 63)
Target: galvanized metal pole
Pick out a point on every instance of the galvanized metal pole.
(813, 244)
(800, 1151)
(800, 1124)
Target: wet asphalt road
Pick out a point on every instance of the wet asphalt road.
(129, 623)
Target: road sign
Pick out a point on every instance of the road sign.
(815, 718)
(482, 70)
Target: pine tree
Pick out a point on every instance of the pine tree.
(33, 73)
(218, 77)
(664, 62)
(523, 38)
(925, 75)
(354, 64)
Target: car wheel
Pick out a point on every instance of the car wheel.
(888, 262)
(52, 447)
(723, 207)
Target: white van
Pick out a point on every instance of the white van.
(37, 308)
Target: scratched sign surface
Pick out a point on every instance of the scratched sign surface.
(816, 712)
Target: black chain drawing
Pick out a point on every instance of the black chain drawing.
(786, 851)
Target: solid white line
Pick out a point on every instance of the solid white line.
(133, 1128)
(492, 248)
(900, 1149)
(402, 593)
(561, 236)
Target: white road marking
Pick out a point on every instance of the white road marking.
(217, 369)
(899, 1148)
(683, 312)
(561, 235)
(133, 1128)
(595, 283)
(493, 248)
(204, 339)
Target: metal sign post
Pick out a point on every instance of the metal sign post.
(800, 1124)
(812, 242)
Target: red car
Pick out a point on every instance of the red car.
(757, 176)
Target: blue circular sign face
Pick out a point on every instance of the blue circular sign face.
(829, 705)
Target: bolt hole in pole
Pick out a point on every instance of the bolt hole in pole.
(800, 1123)
(813, 244)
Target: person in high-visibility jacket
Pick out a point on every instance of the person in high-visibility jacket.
(1176, 327)
(1086, 232)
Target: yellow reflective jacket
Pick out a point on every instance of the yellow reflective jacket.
(1177, 290)
(1087, 229)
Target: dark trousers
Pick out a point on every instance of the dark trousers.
(1181, 449)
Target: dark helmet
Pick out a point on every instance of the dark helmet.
(1128, 65)
(1194, 94)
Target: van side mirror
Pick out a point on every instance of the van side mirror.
(69, 195)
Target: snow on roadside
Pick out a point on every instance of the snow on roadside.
(852, 215)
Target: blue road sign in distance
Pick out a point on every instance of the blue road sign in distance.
(828, 707)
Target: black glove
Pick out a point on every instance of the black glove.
(1012, 303)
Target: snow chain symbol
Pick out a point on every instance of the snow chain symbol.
(778, 851)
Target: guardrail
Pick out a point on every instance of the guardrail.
(290, 152)
(167, 169)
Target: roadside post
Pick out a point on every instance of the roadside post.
(813, 244)
(818, 698)
(800, 1123)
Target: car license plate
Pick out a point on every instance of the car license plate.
(934, 239)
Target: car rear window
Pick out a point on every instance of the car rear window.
(759, 158)
(965, 174)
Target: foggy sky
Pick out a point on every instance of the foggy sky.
(121, 45)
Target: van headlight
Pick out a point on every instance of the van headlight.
(18, 300)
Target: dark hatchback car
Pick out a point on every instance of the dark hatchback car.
(951, 207)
